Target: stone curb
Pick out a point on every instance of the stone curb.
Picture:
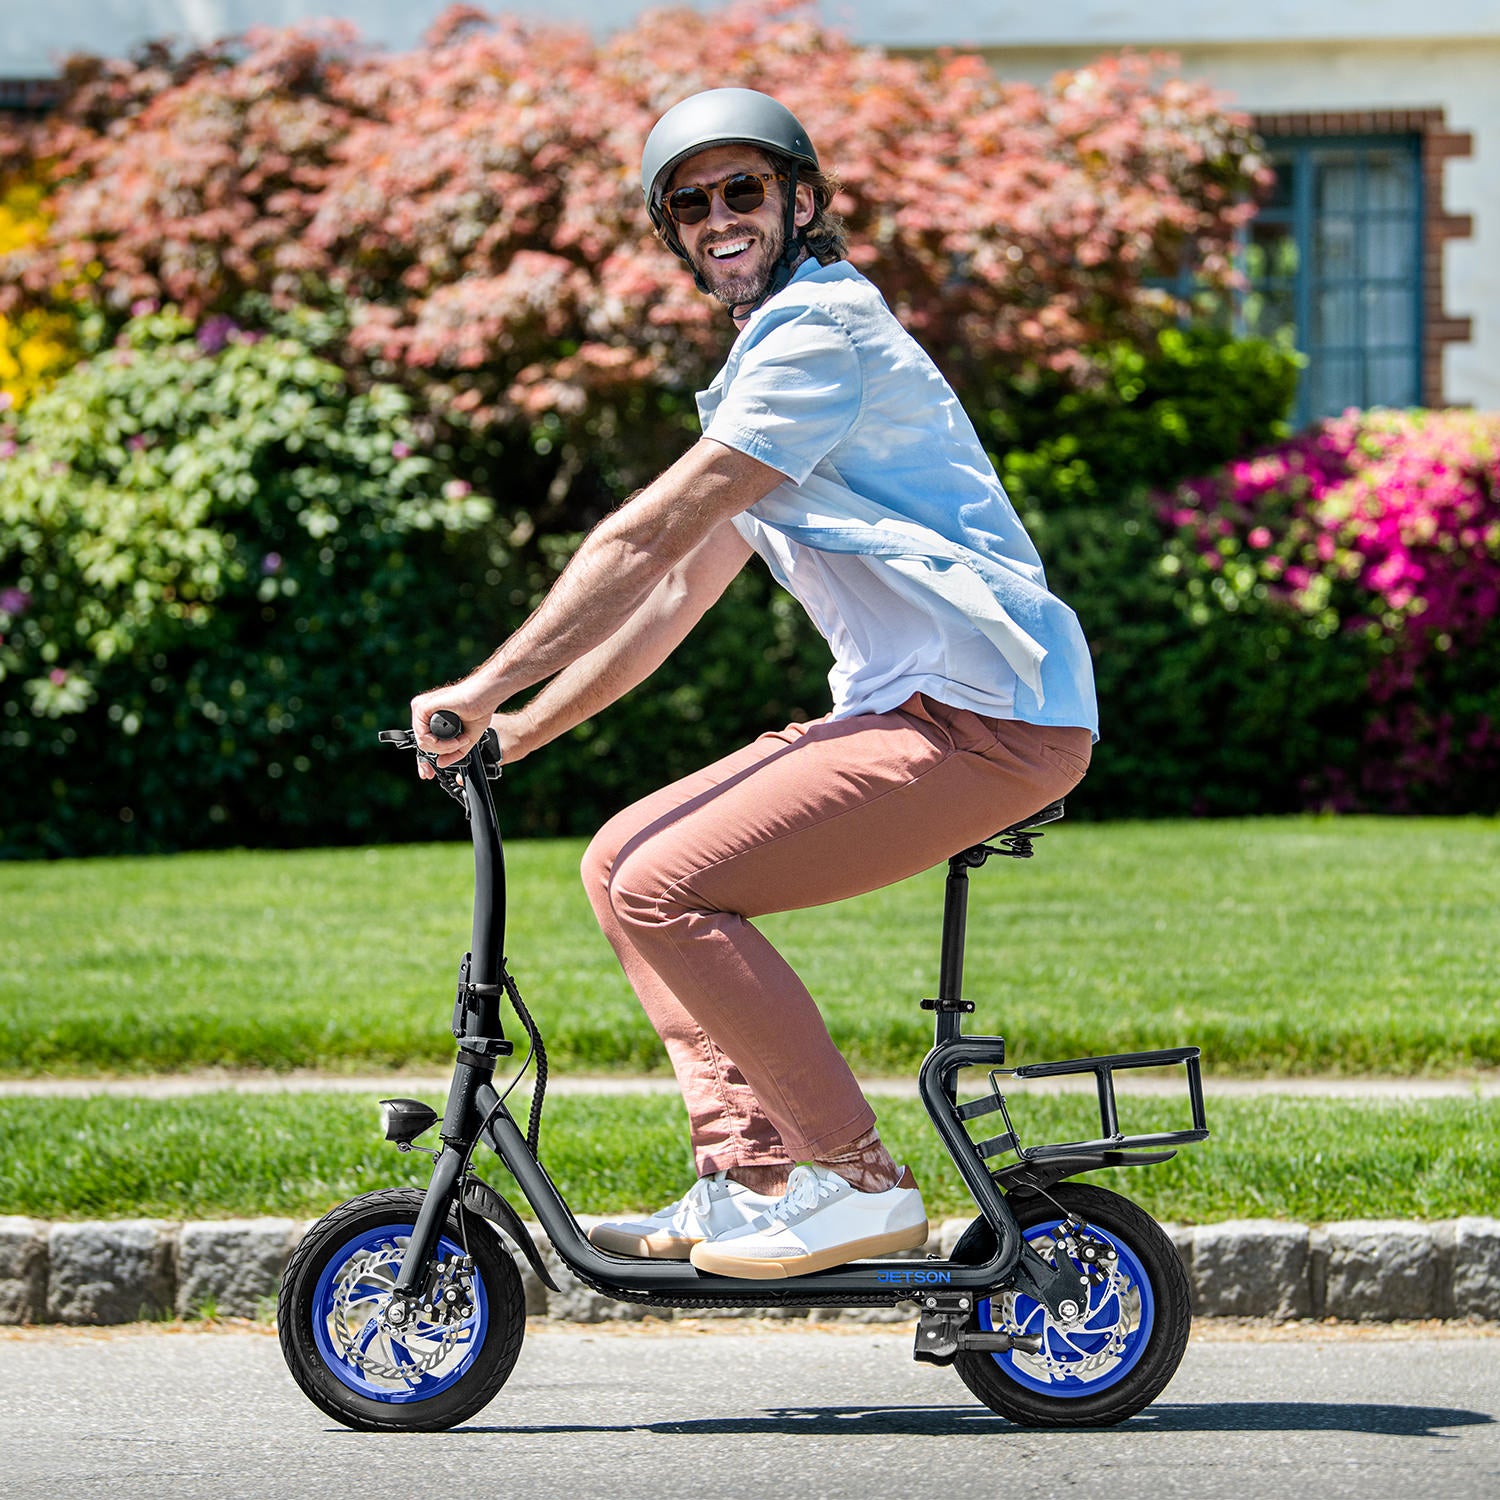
(1377, 1270)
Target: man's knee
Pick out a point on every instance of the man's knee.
(598, 860)
(645, 895)
(627, 886)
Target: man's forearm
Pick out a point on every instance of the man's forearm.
(605, 674)
(620, 562)
(605, 583)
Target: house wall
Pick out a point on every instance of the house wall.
(1118, 23)
(1459, 76)
(34, 38)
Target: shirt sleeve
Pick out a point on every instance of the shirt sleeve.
(794, 393)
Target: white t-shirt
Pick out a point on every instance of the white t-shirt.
(893, 531)
(885, 645)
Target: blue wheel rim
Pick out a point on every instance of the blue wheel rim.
(414, 1364)
(1101, 1349)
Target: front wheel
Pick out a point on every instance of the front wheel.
(1116, 1358)
(430, 1370)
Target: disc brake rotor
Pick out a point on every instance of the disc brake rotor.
(1088, 1347)
(363, 1337)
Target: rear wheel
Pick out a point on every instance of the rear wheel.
(1118, 1356)
(432, 1369)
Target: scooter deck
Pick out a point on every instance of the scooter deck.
(679, 1283)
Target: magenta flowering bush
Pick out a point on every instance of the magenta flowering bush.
(1383, 524)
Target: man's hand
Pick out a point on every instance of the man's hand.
(461, 700)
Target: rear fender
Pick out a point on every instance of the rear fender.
(1037, 1176)
(1021, 1179)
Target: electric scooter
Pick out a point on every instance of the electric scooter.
(1061, 1305)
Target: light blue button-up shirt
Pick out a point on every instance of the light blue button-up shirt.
(893, 530)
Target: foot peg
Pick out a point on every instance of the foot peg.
(942, 1331)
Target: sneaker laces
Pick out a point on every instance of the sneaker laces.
(695, 1200)
(803, 1192)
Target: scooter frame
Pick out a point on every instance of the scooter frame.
(944, 1289)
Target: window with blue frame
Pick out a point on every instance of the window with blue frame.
(1334, 262)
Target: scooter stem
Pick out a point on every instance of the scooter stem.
(488, 942)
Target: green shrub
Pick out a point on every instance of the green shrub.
(1195, 398)
(1202, 710)
(221, 569)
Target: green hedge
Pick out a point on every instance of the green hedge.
(1194, 704)
(1201, 711)
(223, 568)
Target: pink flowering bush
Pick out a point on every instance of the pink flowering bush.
(461, 227)
(1383, 525)
(474, 205)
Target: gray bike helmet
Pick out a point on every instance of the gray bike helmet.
(725, 117)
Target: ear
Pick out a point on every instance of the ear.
(807, 205)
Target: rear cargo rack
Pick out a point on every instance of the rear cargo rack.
(1110, 1136)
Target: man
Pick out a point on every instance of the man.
(962, 691)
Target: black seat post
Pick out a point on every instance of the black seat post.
(1014, 842)
(951, 961)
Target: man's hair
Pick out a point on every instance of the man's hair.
(824, 232)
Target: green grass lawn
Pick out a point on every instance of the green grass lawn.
(230, 1155)
(1280, 946)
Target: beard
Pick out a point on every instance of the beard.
(747, 279)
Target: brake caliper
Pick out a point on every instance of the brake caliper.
(444, 1298)
(1093, 1252)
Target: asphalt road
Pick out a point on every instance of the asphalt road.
(718, 1414)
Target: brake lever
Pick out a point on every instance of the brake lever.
(448, 777)
(404, 739)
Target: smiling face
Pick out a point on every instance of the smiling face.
(736, 254)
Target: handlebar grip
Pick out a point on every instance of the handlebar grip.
(445, 726)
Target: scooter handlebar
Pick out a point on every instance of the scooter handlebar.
(448, 726)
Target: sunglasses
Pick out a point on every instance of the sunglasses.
(742, 194)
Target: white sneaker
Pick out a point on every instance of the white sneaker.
(820, 1222)
(713, 1205)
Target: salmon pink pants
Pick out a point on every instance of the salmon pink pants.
(811, 814)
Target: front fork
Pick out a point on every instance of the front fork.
(460, 1129)
(481, 1043)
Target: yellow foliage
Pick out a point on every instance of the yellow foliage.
(23, 220)
(34, 350)
(37, 346)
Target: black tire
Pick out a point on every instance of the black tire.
(1114, 1361)
(430, 1375)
